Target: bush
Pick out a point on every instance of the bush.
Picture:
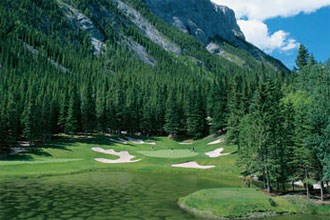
(272, 202)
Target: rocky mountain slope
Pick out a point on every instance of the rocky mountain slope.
(200, 18)
(145, 27)
(209, 23)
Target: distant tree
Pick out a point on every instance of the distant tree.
(173, 119)
(302, 58)
(4, 145)
(311, 60)
(88, 109)
(73, 115)
(235, 109)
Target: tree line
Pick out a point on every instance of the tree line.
(284, 137)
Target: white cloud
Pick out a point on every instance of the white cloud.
(258, 34)
(265, 9)
(251, 15)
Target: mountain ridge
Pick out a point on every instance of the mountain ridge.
(209, 23)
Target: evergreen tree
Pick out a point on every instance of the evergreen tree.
(172, 118)
(311, 60)
(302, 58)
(73, 115)
(235, 109)
(88, 109)
(28, 121)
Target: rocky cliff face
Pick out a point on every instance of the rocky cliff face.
(200, 18)
(209, 23)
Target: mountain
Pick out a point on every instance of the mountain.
(213, 26)
(209, 23)
(200, 18)
(118, 65)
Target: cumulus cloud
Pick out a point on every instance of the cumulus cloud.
(251, 15)
(263, 9)
(258, 34)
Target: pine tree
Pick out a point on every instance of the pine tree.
(217, 110)
(235, 109)
(311, 60)
(88, 111)
(28, 121)
(172, 118)
(302, 58)
(73, 115)
(4, 145)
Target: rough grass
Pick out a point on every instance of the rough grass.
(169, 153)
(229, 203)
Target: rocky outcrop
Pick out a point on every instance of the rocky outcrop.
(84, 23)
(209, 23)
(200, 18)
(140, 51)
(147, 28)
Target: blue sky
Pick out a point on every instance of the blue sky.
(279, 26)
(312, 30)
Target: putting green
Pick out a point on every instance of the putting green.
(169, 153)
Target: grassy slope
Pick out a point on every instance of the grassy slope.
(245, 203)
(66, 155)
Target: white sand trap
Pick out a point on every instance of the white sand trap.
(124, 156)
(216, 142)
(216, 153)
(186, 143)
(139, 141)
(192, 165)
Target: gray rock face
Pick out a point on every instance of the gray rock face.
(148, 29)
(209, 23)
(200, 18)
(84, 23)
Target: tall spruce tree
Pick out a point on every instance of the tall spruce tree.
(302, 58)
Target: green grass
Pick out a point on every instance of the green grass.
(169, 153)
(66, 155)
(46, 160)
(246, 203)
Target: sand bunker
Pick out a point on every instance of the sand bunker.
(186, 143)
(192, 165)
(124, 156)
(216, 142)
(216, 153)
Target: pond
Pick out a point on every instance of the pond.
(101, 195)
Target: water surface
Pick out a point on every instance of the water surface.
(99, 195)
(104, 195)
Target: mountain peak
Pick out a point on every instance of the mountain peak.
(209, 23)
(201, 18)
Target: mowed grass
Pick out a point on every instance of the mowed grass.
(169, 153)
(67, 155)
(245, 203)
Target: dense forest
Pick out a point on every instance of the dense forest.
(52, 82)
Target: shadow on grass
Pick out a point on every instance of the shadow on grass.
(18, 157)
(26, 155)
